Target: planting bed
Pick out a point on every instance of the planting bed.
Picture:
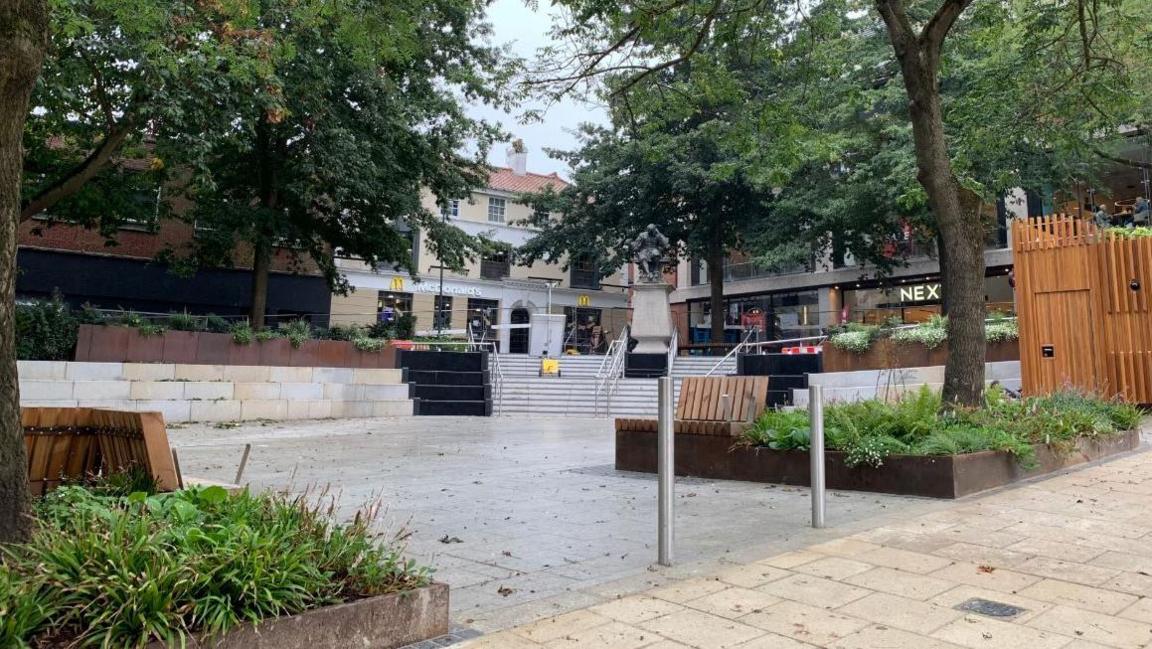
(933, 476)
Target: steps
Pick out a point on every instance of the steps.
(448, 383)
(871, 384)
(523, 392)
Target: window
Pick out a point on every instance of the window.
(452, 210)
(482, 314)
(145, 211)
(495, 266)
(390, 306)
(495, 210)
(584, 273)
(442, 318)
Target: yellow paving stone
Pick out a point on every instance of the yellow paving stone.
(815, 591)
(1135, 583)
(1095, 627)
(1080, 596)
(902, 613)
(1141, 611)
(834, 568)
(904, 560)
(751, 575)
(882, 637)
(772, 641)
(847, 547)
(1124, 561)
(983, 555)
(805, 623)
(699, 629)
(964, 592)
(1080, 573)
(682, 591)
(733, 602)
(502, 640)
(981, 632)
(997, 579)
(1057, 550)
(904, 584)
(791, 559)
(636, 608)
(555, 627)
(611, 636)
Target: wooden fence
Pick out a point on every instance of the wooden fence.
(73, 443)
(1083, 306)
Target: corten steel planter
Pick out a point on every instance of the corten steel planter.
(384, 622)
(885, 355)
(116, 344)
(938, 476)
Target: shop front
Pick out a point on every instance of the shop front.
(758, 317)
(913, 300)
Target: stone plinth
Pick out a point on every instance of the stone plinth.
(651, 318)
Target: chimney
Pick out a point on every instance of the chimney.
(518, 158)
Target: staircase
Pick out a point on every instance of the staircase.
(522, 392)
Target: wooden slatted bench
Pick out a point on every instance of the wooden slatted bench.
(711, 405)
(66, 444)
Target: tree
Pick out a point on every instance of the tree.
(1084, 49)
(23, 39)
(330, 153)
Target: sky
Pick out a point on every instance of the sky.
(514, 22)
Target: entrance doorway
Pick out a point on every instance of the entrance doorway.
(518, 337)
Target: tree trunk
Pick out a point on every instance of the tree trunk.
(261, 263)
(23, 39)
(961, 238)
(942, 258)
(716, 292)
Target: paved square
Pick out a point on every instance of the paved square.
(526, 518)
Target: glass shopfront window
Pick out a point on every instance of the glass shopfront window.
(584, 332)
(391, 305)
(917, 301)
(765, 317)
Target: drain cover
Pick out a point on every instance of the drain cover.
(989, 608)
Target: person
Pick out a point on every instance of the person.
(1141, 216)
(1101, 217)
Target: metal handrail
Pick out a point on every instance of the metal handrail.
(743, 343)
(673, 346)
(610, 370)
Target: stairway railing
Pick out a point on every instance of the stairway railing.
(673, 349)
(611, 369)
(744, 342)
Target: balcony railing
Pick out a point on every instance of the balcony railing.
(584, 279)
(495, 270)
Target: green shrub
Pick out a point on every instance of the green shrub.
(151, 329)
(854, 337)
(931, 334)
(184, 321)
(297, 332)
(264, 335)
(339, 332)
(242, 333)
(124, 571)
(88, 314)
(217, 324)
(45, 330)
(366, 344)
(916, 424)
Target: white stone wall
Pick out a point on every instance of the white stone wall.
(216, 392)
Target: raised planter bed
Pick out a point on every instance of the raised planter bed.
(885, 354)
(114, 344)
(384, 622)
(939, 476)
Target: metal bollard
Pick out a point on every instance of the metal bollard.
(816, 452)
(666, 468)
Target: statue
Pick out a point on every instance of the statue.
(649, 249)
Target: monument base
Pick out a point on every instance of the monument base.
(651, 318)
(645, 366)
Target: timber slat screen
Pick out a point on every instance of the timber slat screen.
(1083, 307)
(69, 444)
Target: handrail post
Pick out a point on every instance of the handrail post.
(666, 466)
(816, 452)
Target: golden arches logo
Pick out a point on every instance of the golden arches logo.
(397, 283)
(583, 300)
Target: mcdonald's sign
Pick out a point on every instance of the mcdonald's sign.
(397, 284)
(583, 300)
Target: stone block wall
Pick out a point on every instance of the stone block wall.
(216, 392)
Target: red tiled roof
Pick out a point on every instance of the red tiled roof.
(504, 180)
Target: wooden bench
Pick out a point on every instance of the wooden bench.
(65, 444)
(711, 405)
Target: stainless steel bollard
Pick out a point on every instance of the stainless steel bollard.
(816, 452)
(666, 469)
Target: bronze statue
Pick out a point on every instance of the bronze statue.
(649, 249)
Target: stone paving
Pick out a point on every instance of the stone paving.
(1070, 553)
(526, 518)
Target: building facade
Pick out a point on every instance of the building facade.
(489, 294)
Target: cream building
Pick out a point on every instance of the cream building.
(492, 293)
